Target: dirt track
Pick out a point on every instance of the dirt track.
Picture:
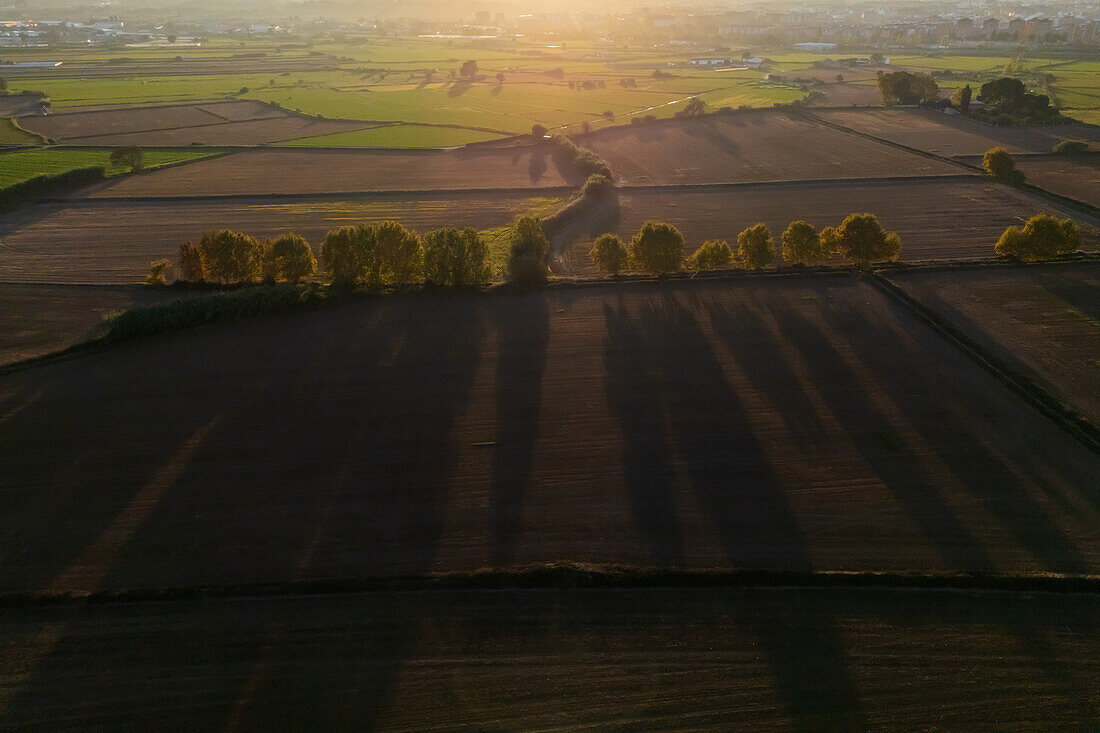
(797, 424)
(758, 146)
(937, 219)
(521, 660)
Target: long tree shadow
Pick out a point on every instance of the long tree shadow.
(689, 409)
(963, 442)
(523, 329)
(882, 446)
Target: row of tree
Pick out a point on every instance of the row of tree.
(374, 255)
(658, 248)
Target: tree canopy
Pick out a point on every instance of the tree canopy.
(755, 248)
(1042, 237)
(903, 87)
(609, 254)
(802, 245)
(861, 239)
(658, 248)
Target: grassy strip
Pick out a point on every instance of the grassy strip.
(579, 576)
(236, 305)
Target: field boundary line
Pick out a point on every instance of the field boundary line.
(580, 576)
(1031, 391)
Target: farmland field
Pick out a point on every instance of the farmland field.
(935, 132)
(1077, 178)
(759, 146)
(800, 424)
(113, 242)
(36, 320)
(217, 123)
(304, 171)
(938, 219)
(21, 165)
(1043, 320)
(751, 659)
(397, 136)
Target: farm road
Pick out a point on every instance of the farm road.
(805, 424)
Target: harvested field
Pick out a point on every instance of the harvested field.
(1044, 320)
(941, 219)
(1078, 178)
(754, 659)
(935, 132)
(12, 105)
(79, 124)
(255, 132)
(294, 171)
(40, 319)
(791, 423)
(758, 146)
(114, 242)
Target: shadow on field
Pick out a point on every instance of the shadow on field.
(340, 451)
(672, 398)
(523, 334)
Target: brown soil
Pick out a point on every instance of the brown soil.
(64, 125)
(531, 660)
(1078, 178)
(1044, 320)
(807, 423)
(259, 172)
(36, 320)
(935, 132)
(114, 242)
(941, 219)
(757, 146)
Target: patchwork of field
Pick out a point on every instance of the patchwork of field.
(776, 659)
(215, 123)
(935, 132)
(938, 219)
(114, 242)
(1045, 321)
(801, 424)
(295, 171)
(36, 320)
(1077, 178)
(760, 146)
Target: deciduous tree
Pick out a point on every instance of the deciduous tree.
(455, 258)
(609, 254)
(861, 239)
(755, 248)
(802, 244)
(1042, 237)
(658, 248)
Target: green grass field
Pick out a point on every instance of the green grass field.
(12, 134)
(22, 165)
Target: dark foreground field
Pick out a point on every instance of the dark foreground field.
(753, 659)
(803, 424)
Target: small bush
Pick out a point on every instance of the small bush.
(715, 254)
(190, 312)
(609, 254)
(292, 258)
(1041, 238)
(658, 248)
(1000, 164)
(1071, 147)
(455, 258)
(802, 245)
(158, 272)
(755, 248)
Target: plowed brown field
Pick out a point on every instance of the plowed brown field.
(1045, 321)
(935, 132)
(113, 242)
(758, 146)
(1077, 178)
(803, 424)
(292, 171)
(940, 219)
